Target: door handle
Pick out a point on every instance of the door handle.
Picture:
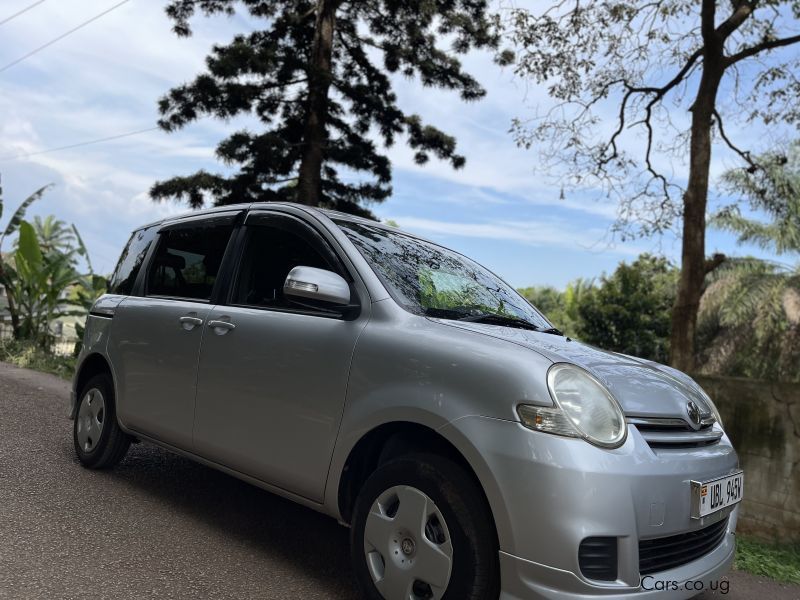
(189, 323)
(221, 327)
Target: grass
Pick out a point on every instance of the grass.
(30, 356)
(776, 561)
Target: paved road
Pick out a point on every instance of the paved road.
(160, 526)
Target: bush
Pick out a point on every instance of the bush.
(31, 356)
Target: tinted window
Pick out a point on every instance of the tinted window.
(130, 263)
(270, 253)
(428, 279)
(187, 261)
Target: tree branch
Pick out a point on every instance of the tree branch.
(746, 156)
(711, 264)
(740, 14)
(658, 94)
(767, 45)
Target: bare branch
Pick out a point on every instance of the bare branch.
(763, 46)
(746, 156)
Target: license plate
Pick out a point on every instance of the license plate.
(710, 496)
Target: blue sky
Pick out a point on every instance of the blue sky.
(105, 80)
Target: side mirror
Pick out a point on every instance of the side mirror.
(317, 284)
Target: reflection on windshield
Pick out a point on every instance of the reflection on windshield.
(427, 279)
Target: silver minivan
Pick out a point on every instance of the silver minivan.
(403, 389)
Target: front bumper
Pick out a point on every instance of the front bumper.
(548, 493)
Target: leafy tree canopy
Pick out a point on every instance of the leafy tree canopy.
(319, 77)
(628, 311)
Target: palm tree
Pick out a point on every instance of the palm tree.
(750, 312)
(54, 234)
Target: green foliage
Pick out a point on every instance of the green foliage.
(19, 214)
(28, 355)
(54, 234)
(37, 281)
(41, 277)
(277, 74)
(561, 308)
(776, 561)
(749, 321)
(628, 311)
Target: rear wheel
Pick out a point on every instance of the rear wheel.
(99, 441)
(422, 530)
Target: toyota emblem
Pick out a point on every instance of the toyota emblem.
(694, 414)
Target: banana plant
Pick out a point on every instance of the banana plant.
(5, 269)
(38, 282)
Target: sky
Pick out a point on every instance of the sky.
(105, 80)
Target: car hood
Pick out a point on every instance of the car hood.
(643, 388)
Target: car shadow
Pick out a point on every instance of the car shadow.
(282, 530)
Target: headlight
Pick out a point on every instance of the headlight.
(583, 408)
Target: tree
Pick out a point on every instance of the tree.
(749, 322)
(750, 314)
(53, 234)
(629, 311)
(318, 76)
(773, 189)
(647, 62)
(561, 308)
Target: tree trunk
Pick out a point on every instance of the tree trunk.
(12, 309)
(320, 74)
(693, 260)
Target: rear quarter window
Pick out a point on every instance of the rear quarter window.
(130, 263)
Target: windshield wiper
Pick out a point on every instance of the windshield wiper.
(494, 319)
(552, 330)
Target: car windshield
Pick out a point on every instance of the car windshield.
(427, 279)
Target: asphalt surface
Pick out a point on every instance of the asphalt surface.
(161, 526)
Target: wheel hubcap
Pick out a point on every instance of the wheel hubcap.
(91, 419)
(407, 545)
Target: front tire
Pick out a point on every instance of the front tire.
(99, 441)
(422, 529)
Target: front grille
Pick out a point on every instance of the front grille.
(676, 433)
(597, 558)
(662, 554)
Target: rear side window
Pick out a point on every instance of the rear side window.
(187, 261)
(130, 263)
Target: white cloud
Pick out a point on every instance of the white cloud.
(545, 233)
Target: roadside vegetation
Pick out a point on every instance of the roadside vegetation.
(45, 288)
(28, 355)
(776, 561)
